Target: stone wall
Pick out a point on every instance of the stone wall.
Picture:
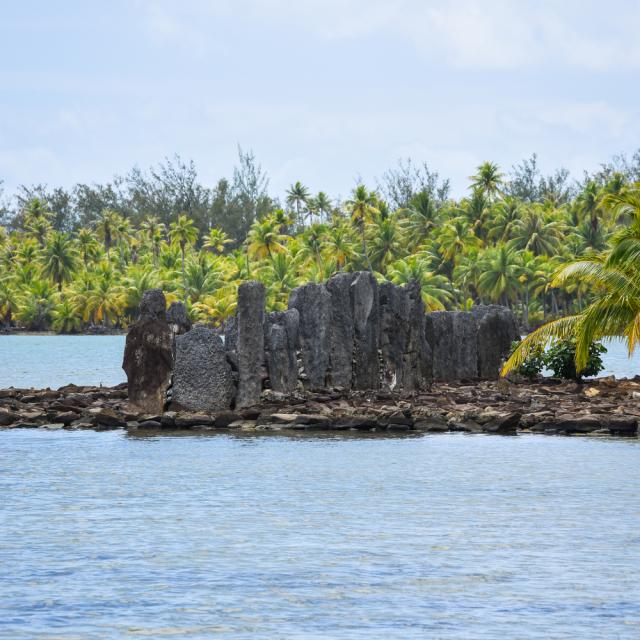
(351, 333)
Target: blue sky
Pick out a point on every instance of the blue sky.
(323, 91)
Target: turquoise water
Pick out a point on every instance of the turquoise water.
(53, 361)
(103, 535)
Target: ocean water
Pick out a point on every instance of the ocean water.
(53, 361)
(105, 535)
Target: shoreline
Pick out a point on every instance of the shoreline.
(600, 407)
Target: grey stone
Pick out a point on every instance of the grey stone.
(250, 315)
(394, 329)
(313, 302)
(439, 333)
(465, 334)
(202, 379)
(418, 358)
(341, 331)
(231, 334)
(497, 329)
(148, 355)
(178, 318)
(281, 339)
(153, 305)
(366, 331)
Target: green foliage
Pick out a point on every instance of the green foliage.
(561, 359)
(533, 365)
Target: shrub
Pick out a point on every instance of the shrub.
(561, 359)
(533, 365)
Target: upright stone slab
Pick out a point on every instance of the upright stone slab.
(148, 355)
(366, 336)
(178, 318)
(439, 332)
(250, 346)
(202, 378)
(394, 333)
(281, 340)
(465, 332)
(418, 358)
(497, 329)
(341, 331)
(313, 303)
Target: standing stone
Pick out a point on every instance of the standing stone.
(418, 365)
(341, 331)
(366, 325)
(313, 303)
(250, 347)
(439, 332)
(465, 332)
(148, 355)
(202, 379)
(281, 339)
(178, 318)
(394, 333)
(497, 329)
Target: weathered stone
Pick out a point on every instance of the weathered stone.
(231, 334)
(394, 330)
(313, 303)
(504, 424)
(281, 339)
(148, 355)
(439, 333)
(153, 305)
(178, 319)
(8, 417)
(497, 329)
(103, 416)
(341, 331)
(202, 379)
(465, 337)
(250, 315)
(418, 359)
(366, 331)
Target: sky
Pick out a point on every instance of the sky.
(328, 92)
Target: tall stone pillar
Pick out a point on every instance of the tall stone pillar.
(366, 325)
(250, 342)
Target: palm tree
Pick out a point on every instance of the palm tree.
(614, 280)
(487, 180)
(183, 232)
(361, 206)
(436, 290)
(264, 239)
(216, 240)
(154, 231)
(499, 277)
(66, 317)
(322, 204)
(87, 245)
(59, 259)
(106, 227)
(386, 242)
(420, 217)
(297, 196)
(338, 243)
(535, 233)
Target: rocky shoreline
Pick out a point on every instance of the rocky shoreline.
(602, 407)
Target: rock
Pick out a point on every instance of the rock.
(148, 355)
(106, 417)
(250, 318)
(231, 334)
(224, 419)
(591, 392)
(187, 420)
(394, 329)
(505, 424)
(341, 331)
(622, 425)
(366, 331)
(202, 379)
(465, 336)
(418, 357)
(281, 339)
(178, 319)
(153, 305)
(150, 425)
(497, 329)
(439, 333)
(435, 424)
(8, 417)
(65, 418)
(313, 303)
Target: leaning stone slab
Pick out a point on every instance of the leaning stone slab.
(148, 355)
(497, 329)
(341, 331)
(465, 334)
(281, 339)
(250, 347)
(366, 334)
(439, 332)
(394, 330)
(178, 318)
(313, 303)
(418, 358)
(202, 379)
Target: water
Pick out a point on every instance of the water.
(104, 535)
(53, 361)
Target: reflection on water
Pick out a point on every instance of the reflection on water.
(105, 535)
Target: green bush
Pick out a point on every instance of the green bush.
(532, 367)
(561, 359)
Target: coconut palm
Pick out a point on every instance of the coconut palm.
(499, 277)
(297, 197)
(264, 239)
(536, 233)
(436, 290)
(386, 241)
(59, 260)
(487, 180)
(362, 206)
(88, 246)
(106, 228)
(183, 233)
(66, 318)
(216, 240)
